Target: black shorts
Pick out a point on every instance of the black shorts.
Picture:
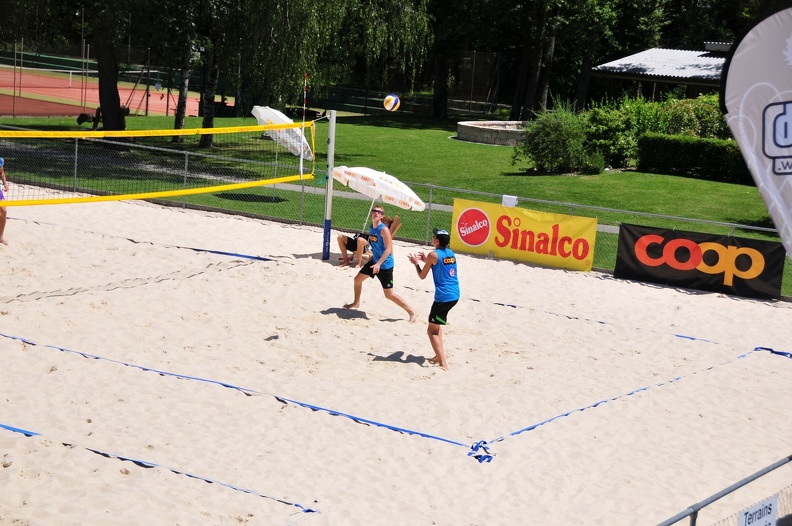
(385, 275)
(352, 242)
(439, 313)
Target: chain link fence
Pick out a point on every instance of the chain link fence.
(304, 204)
(110, 168)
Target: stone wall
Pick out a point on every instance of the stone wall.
(503, 133)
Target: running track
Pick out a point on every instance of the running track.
(60, 101)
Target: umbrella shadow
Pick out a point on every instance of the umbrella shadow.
(399, 357)
(333, 260)
(346, 314)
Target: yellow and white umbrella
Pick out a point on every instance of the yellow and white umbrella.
(378, 185)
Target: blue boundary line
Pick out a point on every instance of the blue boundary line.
(630, 393)
(206, 250)
(479, 450)
(569, 317)
(147, 464)
(249, 392)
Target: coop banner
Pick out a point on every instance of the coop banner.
(742, 267)
(552, 240)
(756, 99)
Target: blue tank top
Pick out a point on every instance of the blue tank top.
(444, 273)
(378, 246)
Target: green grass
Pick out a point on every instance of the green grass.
(423, 150)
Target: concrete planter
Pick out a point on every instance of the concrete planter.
(502, 133)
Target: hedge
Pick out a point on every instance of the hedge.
(708, 159)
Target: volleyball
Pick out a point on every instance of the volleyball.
(391, 102)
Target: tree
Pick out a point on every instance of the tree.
(168, 29)
(107, 19)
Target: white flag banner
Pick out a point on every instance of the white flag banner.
(756, 99)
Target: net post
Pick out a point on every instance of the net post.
(329, 193)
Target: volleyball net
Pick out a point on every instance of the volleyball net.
(85, 166)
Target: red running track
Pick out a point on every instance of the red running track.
(57, 100)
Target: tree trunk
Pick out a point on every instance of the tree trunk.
(547, 67)
(522, 78)
(532, 60)
(208, 100)
(181, 105)
(113, 115)
(440, 86)
(581, 95)
(533, 83)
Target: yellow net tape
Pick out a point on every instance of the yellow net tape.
(153, 164)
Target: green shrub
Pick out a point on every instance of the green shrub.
(561, 140)
(554, 142)
(679, 118)
(710, 159)
(699, 117)
(642, 115)
(593, 163)
(607, 133)
(614, 127)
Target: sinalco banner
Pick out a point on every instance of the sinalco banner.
(551, 240)
(756, 99)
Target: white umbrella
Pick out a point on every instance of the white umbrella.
(290, 138)
(378, 185)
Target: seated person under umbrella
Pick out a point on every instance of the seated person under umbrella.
(359, 245)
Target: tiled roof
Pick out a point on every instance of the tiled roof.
(667, 65)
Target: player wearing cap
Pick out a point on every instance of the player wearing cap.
(443, 264)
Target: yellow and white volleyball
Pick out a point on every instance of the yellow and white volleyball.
(391, 102)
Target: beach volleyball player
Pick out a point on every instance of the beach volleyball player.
(3, 195)
(442, 261)
(380, 265)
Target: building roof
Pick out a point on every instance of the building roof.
(676, 66)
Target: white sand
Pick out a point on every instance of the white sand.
(119, 281)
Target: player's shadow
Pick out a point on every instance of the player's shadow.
(346, 314)
(399, 357)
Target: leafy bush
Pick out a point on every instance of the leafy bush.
(614, 128)
(607, 133)
(642, 116)
(554, 142)
(700, 117)
(593, 163)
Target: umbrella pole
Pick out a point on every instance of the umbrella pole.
(369, 215)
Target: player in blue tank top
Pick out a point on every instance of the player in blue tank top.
(380, 265)
(443, 264)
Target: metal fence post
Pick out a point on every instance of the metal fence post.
(74, 175)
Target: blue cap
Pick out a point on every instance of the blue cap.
(440, 232)
(1, 162)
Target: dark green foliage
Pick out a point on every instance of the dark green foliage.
(700, 117)
(612, 131)
(593, 163)
(708, 159)
(608, 134)
(554, 142)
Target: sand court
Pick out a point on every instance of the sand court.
(214, 348)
